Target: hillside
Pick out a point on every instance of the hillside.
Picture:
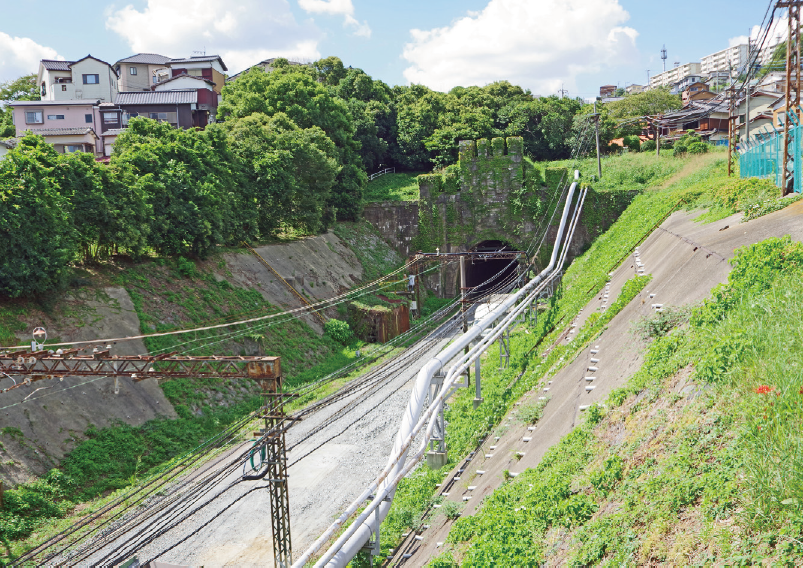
(662, 456)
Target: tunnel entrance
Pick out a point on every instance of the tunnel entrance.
(480, 273)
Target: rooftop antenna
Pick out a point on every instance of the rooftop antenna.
(677, 63)
(663, 56)
(202, 52)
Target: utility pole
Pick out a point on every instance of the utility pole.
(747, 87)
(648, 77)
(268, 456)
(792, 91)
(663, 56)
(731, 128)
(563, 92)
(596, 128)
(658, 136)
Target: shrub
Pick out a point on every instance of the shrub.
(699, 147)
(649, 146)
(339, 330)
(633, 142)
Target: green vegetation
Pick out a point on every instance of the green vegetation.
(376, 258)
(393, 187)
(719, 480)
(585, 277)
(339, 331)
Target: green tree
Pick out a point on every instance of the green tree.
(545, 124)
(607, 127)
(370, 106)
(418, 111)
(38, 239)
(307, 103)
(192, 184)
(330, 70)
(110, 210)
(21, 89)
(288, 171)
(647, 103)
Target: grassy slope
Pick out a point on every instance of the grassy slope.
(166, 296)
(393, 187)
(707, 475)
(684, 182)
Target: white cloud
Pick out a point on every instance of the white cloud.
(242, 32)
(338, 8)
(20, 56)
(738, 40)
(539, 44)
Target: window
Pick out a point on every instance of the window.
(92, 79)
(55, 117)
(110, 117)
(64, 87)
(88, 118)
(132, 70)
(71, 149)
(33, 117)
(158, 115)
(43, 90)
(195, 72)
(155, 79)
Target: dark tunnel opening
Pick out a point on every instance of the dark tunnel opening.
(480, 271)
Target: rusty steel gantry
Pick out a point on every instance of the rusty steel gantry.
(33, 366)
(793, 63)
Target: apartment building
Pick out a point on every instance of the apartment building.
(733, 59)
(674, 75)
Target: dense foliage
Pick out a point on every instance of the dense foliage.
(22, 89)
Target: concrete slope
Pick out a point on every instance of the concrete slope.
(686, 260)
(53, 415)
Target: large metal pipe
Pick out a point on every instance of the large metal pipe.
(347, 546)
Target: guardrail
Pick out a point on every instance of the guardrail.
(372, 177)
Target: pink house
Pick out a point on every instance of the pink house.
(68, 125)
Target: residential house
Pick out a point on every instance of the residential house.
(774, 82)
(179, 108)
(634, 89)
(209, 67)
(266, 65)
(68, 125)
(138, 72)
(761, 112)
(709, 118)
(696, 92)
(674, 75)
(607, 91)
(87, 78)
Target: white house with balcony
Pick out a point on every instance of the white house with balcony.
(87, 78)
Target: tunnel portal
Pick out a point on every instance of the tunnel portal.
(480, 273)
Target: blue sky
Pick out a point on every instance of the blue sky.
(540, 44)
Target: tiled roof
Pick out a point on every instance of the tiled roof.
(74, 102)
(64, 131)
(180, 75)
(113, 131)
(147, 59)
(157, 97)
(53, 65)
(10, 143)
(200, 59)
